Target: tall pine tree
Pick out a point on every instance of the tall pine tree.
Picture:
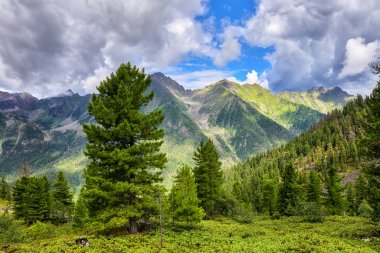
(208, 176)
(123, 148)
(183, 197)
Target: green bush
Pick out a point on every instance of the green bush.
(11, 231)
(312, 212)
(40, 230)
(365, 210)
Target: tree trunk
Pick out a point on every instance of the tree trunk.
(133, 225)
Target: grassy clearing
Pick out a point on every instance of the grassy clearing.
(336, 234)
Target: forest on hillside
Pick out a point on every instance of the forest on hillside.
(323, 179)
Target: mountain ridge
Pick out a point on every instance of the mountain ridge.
(242, 120)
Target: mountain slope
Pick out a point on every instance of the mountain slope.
(295, 117)
(233, 124)
(321, 99)
(241, 119)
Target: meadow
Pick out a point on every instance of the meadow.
(335, 234)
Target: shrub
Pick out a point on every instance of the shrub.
(365, 210)
(40, 230)
(11, 231)
(312, 212)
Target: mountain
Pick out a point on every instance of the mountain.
(241, 120)
(321, 99)
(341, 150)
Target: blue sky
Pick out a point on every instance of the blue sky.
(47, 47)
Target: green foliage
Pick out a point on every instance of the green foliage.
(365, 210)
(371, 145)
(123, 149)
(62, 199)
(314, 187)
(81, 217)
(350, 199)
(183, 198)
(39, 231)
(270, 194)
(312, 212)
(335, 234)
(32, 199)
(334, 197)
(289, 191)
(208, 176)
(11, 230)
(5, 189)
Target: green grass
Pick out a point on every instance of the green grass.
(336, 234)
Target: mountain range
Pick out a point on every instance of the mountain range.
(242, 120)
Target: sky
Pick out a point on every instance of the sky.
(49, 46)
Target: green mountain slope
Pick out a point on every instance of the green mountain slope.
(331, 144)
(321, 99)
(236, 126)
(295, 117)
(241, 119)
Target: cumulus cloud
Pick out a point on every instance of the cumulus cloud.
(358, 55)
(230, 48)
(253, 78)
(316, 42)
(53, 45)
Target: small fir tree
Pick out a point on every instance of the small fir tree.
(350, 199)
(80, 213)
(183, 197)
(288, 195)
(334, 197)
(20, 198)
(208, 176)
(62, 199)
(314, 188)
(269, 195)
(5, 189)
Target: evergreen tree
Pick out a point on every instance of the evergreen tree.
(80, 213)
(208, 176)
(361, 191)
(314, 188)
(38, 203)
(371, 145)
(269, 195)
(62, 199)
(5, 189)
(288, 196)
(32, 199)
(350, 199)
(334, 198)
(123, 148)
(183, 197)
(20, 197)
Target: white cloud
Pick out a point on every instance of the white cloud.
(202, 78)
(230, 48)
(358, 55)
(309, 38)
(73, 42)
(254, 78)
